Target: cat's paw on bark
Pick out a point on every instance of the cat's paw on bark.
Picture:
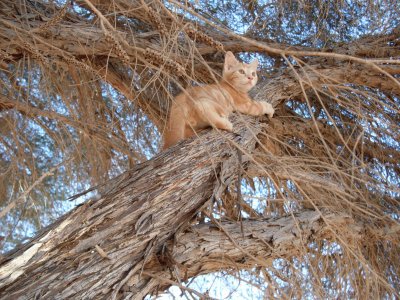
(268, 109)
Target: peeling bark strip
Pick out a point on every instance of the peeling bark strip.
(141, 210)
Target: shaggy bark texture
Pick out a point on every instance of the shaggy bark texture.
(137, 238)
(95, 249)
(227, 245)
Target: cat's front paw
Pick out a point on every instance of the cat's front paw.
(223, 124)
(268, 109)
(228, 126)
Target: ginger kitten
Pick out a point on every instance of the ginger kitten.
(200, 107)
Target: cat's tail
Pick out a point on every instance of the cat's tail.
(175, 129)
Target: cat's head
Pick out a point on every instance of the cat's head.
(240, 75)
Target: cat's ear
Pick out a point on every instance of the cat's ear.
(254, 64)
(230, 61)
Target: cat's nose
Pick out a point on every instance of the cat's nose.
(250, 77)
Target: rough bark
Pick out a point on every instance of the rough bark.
(207, 248)
(123, 245)
(137, 213)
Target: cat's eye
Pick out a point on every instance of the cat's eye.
(241, 71)
(253, 74)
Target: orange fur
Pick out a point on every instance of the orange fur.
(200, 107)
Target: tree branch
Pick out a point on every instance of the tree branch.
(268, 239)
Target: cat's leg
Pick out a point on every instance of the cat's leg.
(254, 108)
(189, 132)
(225, 124)
(210, 115)
(220, 122)
(175, 129)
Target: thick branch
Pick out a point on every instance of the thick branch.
(286, 86)
(140, 211)
(231, 248)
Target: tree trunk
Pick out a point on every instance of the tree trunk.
(122, 245)
(92, 251)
